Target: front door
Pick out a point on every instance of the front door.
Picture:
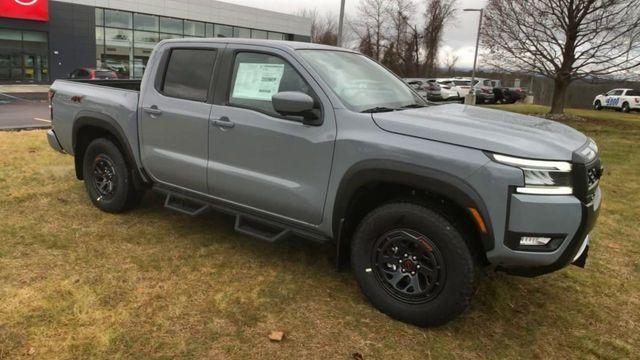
(174, 118)
(260, 159)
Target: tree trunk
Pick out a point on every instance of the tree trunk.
(560, 86)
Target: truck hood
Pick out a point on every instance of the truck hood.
(486, 129)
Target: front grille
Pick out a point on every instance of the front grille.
(593, 177)
(586, 179)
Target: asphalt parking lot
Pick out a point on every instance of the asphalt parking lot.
(18, 112)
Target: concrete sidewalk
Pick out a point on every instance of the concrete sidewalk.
(23, 88)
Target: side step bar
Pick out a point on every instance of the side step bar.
(245, 224)
(259, 228)
(185, 205)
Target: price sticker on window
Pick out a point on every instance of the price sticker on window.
(257, 81)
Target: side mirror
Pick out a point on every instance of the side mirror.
(295, 103)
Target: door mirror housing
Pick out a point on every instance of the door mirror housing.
(297, 104)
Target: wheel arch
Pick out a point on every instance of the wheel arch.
(407, 182)
(90, 125)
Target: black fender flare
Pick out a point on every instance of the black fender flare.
(432, 180)
(104, 122)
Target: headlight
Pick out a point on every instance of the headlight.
(590, 151)
(541, 177)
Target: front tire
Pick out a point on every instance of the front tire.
(108, 179)
(597, 105)
(413, 264)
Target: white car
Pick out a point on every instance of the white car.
(462, 86)
(624, 100)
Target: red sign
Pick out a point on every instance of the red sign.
(25, 9)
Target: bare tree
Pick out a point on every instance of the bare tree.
(450, 61)
(405, 54)
(373, 24)
(563, 40)
(438, 13)
(324, 28)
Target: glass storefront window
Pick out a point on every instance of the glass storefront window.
(171, 25)
(258, 34)
(127, 51)
(117, 54)
(170, 36)
(99, 17)
(193, 28)
(145, 22)
(223, 31)
(241, 32)
(23, 56)
(276, 36)
(118, 19)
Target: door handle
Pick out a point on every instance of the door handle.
(223, 122)
(153, 110)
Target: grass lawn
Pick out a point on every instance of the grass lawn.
(79, 283)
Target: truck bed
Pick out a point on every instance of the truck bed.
(125, 84)
(110, 102)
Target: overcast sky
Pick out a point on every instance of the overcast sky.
(459, 37)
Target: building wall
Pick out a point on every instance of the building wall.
(71, 29)
(209, 11)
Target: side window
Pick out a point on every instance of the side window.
(257, 77)
(633, 93)
(188, 74)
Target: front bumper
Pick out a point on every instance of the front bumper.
(53, 141)
(565, 218)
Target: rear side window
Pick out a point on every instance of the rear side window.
(257, 77)
(189, 73)
(633, 93)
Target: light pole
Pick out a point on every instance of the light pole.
(340, 22)
(471, 100)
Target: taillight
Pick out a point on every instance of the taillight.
(92, 74)
(50, 96)
(636, 100)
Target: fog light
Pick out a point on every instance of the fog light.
(534, 241)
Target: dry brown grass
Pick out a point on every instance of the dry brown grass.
(79, 283)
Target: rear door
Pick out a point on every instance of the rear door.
(258, 158)
(174, 116)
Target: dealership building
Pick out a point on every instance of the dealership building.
(44, 40)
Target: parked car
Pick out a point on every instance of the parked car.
(460, 86)
(483, 89)
(447, 90)
(507, 95)
(429, 90)
(416, 196)
(624, 100)
(92, 74)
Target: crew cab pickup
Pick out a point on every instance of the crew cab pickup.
(624, 100)
(325, 143)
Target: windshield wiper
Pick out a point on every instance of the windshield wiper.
(378, 109)
(413, 106)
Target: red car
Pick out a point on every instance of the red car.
(93, 74)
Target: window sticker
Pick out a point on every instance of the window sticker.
(257, 81)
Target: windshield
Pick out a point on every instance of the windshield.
(462, 82)
(362, 84)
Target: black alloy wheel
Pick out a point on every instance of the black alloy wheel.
(409, 266)
(104, 177)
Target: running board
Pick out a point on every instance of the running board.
(259, 228)
(185, 205)
(256, 226)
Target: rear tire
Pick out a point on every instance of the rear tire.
(597, 105)
(413, 264)
(625, 108)
(108, 179)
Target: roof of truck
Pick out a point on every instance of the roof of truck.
(281, 44)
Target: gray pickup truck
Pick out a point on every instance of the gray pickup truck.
(326, 144)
